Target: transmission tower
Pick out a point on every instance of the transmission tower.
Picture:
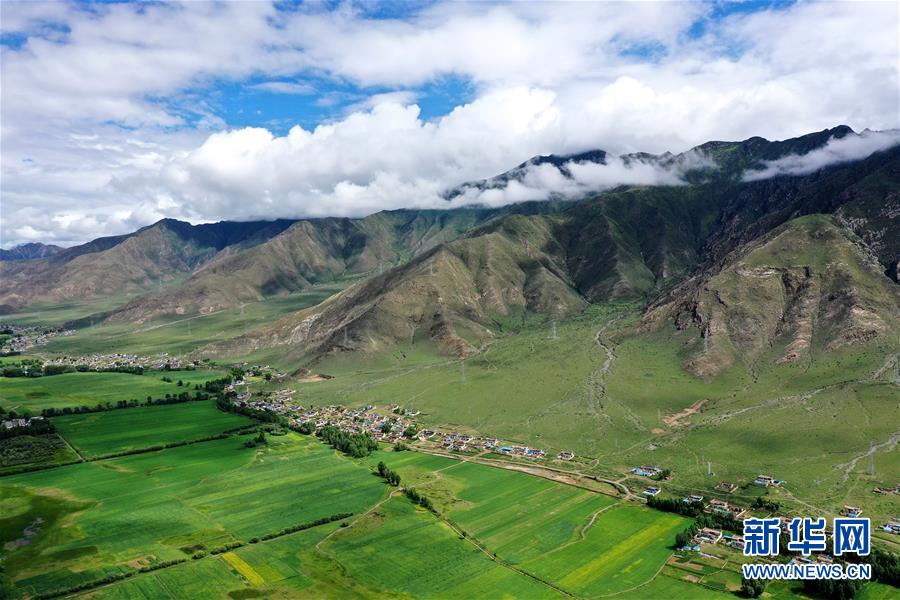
(554, 336)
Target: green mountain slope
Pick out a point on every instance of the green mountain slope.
(309, 252)
(456, 296)
(808, 287)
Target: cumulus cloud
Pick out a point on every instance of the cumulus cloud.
(106, 125)
(838, 150)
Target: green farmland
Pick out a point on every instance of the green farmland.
(529, 536)
(89, 389)
(106, 432)
(164, 505)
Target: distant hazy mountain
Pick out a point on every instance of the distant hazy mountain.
(155, 254)
(29, 251)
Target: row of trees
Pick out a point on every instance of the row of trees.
(103, 406)
(417, 498)
(763, 504)
(36, 370)
(675, 505)
(388, 475)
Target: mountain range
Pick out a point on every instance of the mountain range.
(749, 266)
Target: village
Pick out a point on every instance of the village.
(23, 337)
(391, 424)
(109, 362)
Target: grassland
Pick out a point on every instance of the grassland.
(89, 389)
(182, 334)
(100, 433)
(61, 313)
(816, 420)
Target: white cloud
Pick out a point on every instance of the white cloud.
(836, 151)
(285, 87)
(96, 137)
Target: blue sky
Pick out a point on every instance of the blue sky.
(117, 114)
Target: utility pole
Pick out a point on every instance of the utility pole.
(871, 458)
(554, 336)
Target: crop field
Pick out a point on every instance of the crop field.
(96, 517)
(519, 516)
(586, 543)
(107, 432)
(206, 579)
(181, 334)
(404, 549)
(89, 389)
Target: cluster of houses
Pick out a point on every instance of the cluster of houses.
(822, 558)
(101, 362)
(13, 423)
(463, 442)
(22, 337)
(523, 451)
(275, 402)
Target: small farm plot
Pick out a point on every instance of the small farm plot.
(108, 432)
(624, 548)
(109, 515)
(89, 389)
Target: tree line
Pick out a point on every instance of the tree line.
(392, 477)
